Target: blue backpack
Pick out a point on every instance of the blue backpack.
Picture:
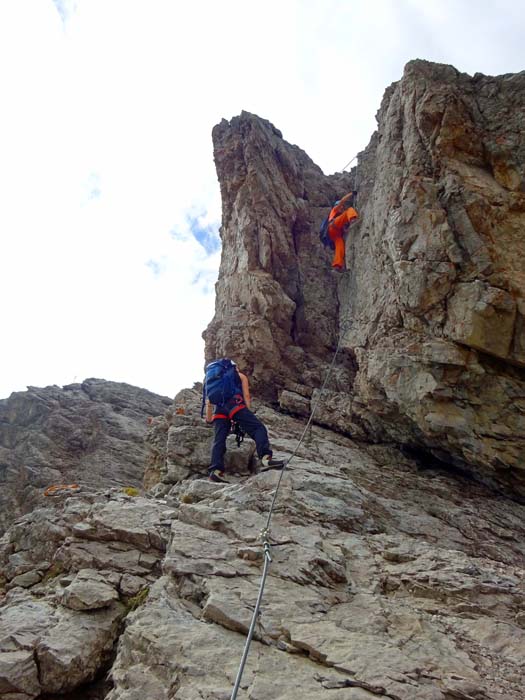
(323, 234)
(221, 382)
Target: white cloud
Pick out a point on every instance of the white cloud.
(66, 8)
(105, 135)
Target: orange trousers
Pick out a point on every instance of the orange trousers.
(336, 233)
(337, 238)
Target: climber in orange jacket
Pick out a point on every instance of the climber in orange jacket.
(339, 220)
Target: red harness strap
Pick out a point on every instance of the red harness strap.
(238, 406)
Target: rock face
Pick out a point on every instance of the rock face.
(432, 306)
(385, 580)
(394, 574)
(90, 433)
(276, 304)
(437, 270)
(71, 572)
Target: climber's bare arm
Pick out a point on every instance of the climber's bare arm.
(245, 389)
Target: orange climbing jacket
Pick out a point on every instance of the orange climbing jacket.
(338, 219)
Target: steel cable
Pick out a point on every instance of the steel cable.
(266, 532)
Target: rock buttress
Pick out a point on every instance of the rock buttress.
(434, 293)
(277, 306)
(437, 271)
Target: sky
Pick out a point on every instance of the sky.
(109, 201)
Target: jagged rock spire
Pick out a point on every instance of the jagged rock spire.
(435, 289)
(276, 306)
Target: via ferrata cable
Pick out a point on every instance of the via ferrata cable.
(265, 534)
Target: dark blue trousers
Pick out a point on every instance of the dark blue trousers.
(249, 423)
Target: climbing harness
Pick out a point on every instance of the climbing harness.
(265, 533)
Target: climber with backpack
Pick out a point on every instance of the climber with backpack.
(226, 396)
(335, 226)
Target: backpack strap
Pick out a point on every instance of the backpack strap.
(203, 397)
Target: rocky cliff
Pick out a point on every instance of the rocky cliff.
(395, 574)
(432, 305)
(89, 433)
(277, 306)
(388, 580)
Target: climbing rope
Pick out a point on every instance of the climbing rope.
(265, 534)
(303, 434)
(359, 157)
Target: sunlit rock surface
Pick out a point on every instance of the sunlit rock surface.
(388, 573)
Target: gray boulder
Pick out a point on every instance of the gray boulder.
(89, 590)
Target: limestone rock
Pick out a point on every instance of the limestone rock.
(433, 199)
(482, 317)
(90, 433)
(430, 312)
(88, 591)
(386, 579)
(59, 620)
(384, 575)
(18, 675)
(276, 304)
(75, 647)
(294, 403)
(26, 580)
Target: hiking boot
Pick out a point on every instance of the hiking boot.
(269, 462)
(218, 477)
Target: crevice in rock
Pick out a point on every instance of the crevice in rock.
(427, 460)
(102, 684)
(296, 648)
(335, 684)
(504, 367)
(97, 689)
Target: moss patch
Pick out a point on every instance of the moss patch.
(137, 600)
(131, 491)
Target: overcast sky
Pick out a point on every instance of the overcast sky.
(109, 202)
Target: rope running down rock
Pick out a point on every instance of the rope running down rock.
(265, 534)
